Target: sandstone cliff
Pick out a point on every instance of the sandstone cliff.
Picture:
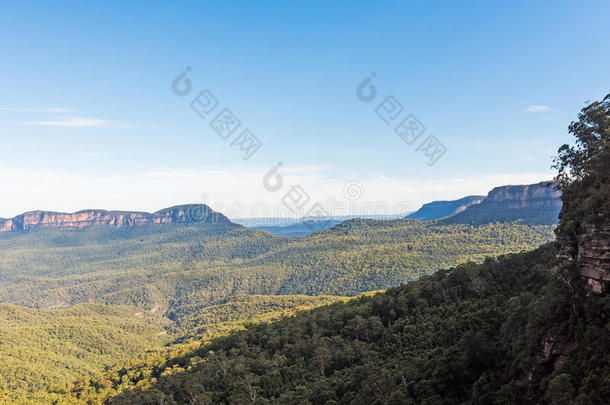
(542, 194)
(538, 203)
(593, 255)
(183, 214)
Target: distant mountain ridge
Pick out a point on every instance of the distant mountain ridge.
(181, 214)
(300, 228)
(537, 203)
(443, 209)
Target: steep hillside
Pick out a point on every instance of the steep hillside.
(45, 353)
(443, 209)
(584, 177)
(217, 320)
(474, 334)
(538, 204)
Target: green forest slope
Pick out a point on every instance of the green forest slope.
(473, 334)
(47, 353)
(42, 350)
(180, 269)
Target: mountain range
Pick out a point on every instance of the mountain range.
(538, 203)
(182, 214)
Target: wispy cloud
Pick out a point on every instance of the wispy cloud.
(80, 122)
(37, 109)
(539, 108)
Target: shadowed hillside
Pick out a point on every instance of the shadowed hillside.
(443, 209)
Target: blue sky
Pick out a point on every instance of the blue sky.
(88, 118)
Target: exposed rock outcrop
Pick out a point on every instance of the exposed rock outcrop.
(538, 203)
(183, 214)
(594, 256)
(554, 351)
(543, 194)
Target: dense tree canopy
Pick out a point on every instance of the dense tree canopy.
(181, 269)
(584, 172)
(474, 334)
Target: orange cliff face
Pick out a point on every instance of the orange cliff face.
(534, 204)
(194, 213)
(534, 195)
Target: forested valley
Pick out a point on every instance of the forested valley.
(98, 296)
(530, 327)
(379, 312)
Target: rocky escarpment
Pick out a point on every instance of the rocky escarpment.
(543, 194)
(538, 203)
(593, 255)
(443, 209)
(183, 214)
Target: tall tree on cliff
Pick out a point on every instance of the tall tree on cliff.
(584, 175)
